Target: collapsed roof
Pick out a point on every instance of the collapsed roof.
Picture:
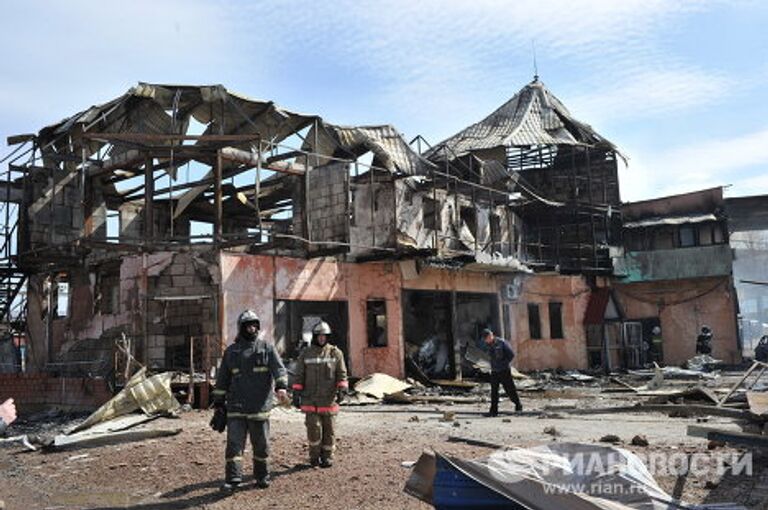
(534, 116)
(156, 109)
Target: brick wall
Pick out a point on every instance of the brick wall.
(35, 392)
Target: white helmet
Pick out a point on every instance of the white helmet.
(322, 328)
(248, 316)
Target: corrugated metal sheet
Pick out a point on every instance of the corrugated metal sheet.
(671, 220)
(388, 146)
(534, 116)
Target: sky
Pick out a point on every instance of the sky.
(680, 86)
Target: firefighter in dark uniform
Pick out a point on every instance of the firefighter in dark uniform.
(250, 369)
(320, 384)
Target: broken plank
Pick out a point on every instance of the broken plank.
(699, 410)
(89, 440)
(728, 436)
(474, 442)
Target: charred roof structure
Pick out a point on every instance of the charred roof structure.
(177, 174)
(565, 172)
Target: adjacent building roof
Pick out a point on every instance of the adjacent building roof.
(534, 116)
(670, 220)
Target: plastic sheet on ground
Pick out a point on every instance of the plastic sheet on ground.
(377, 385)
(565, 475)
(702, 362)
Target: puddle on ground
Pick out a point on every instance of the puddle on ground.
(96, 499)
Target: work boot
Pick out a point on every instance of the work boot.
(231, 485)
(491, 414)
(263, 482)
(519, 408)
(326, 462)
(314, 462)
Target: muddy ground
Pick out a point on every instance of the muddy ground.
(185, 471)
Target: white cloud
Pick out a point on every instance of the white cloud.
(61, 57)
(738, 161)
(649, 93)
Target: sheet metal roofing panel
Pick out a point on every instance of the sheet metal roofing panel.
(389, 148)
(671, 220)
(534, 116)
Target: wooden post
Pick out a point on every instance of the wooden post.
(204, 390)
(149, 194)
(217, 222)
(455, 335)
(191, 386)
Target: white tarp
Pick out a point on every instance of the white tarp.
(567, 475)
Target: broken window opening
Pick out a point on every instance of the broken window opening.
(534, 321)
(376, 313)
(201, 231)
(555, 320)
(469, 217)
(432, 220)
(61, 295)
(108, 297)
(687, 237)
(113, 226)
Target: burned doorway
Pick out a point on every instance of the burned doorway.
(294, 321)
(439, 326)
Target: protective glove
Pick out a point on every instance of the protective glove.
(219, 420)
(340, 394)
(296, 399)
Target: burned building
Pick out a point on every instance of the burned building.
(677, 273)
(146, 224)
(564, 179)
(748, 237)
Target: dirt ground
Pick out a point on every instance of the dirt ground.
(374, 442)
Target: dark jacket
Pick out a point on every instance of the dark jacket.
(320, 373)
(501, 354)
(250, 370)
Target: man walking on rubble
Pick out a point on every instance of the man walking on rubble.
(249, 370)
(319, 387)
(501, 356)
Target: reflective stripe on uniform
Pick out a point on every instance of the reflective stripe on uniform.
(328, 448)
(235, 370)
(261, 369)
(260, 459)
(314, 443)
(219, 392)
(316, 361)
(236, 458)
(317, 409)
(250, 416)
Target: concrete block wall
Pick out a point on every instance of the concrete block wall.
(328, 202)
(172, 322)
(39, 391)
(57, 218)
